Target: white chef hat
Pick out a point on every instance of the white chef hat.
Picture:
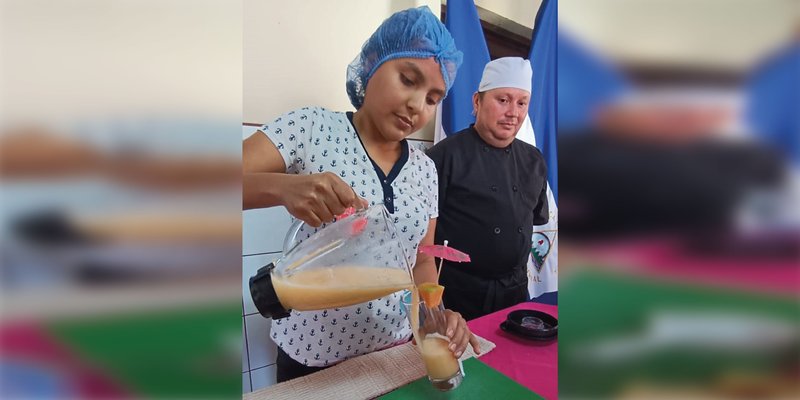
(513, 72)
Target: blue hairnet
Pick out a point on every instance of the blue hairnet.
(412, 33)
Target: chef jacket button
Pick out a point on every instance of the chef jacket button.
(508, 151)
(519, 229)
(494, 188)
(496, 231)
(485, 149)
(514, 188)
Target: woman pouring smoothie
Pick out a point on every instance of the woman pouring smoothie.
(317, 162)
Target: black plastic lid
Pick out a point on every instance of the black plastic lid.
(264, 296)
(531, 324)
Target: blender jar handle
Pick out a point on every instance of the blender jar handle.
(291, 235)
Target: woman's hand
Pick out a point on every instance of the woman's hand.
(459, 334)
(315, 198)
(318, 198)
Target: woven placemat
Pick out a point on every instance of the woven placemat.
(363, 377)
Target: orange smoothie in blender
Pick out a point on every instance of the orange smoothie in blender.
(339, 286)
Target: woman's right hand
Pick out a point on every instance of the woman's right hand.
(318, 198)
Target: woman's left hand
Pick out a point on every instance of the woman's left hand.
(459, 334)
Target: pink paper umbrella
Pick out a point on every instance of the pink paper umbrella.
(444, 253)
(447, 253)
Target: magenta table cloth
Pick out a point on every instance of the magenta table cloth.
(532, 364)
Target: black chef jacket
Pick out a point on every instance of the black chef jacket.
(489, 201)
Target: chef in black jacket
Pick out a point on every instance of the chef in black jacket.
(492, 191)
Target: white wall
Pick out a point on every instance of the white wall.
(262, 238)
(296, 53)
(521, 12)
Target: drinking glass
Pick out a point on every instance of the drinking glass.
(430, 326)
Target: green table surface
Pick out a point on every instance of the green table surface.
(480, 382)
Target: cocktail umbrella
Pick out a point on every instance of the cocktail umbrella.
(443, 252)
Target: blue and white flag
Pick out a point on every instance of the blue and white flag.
(543, 260)
(542, 109)
(455, 112)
